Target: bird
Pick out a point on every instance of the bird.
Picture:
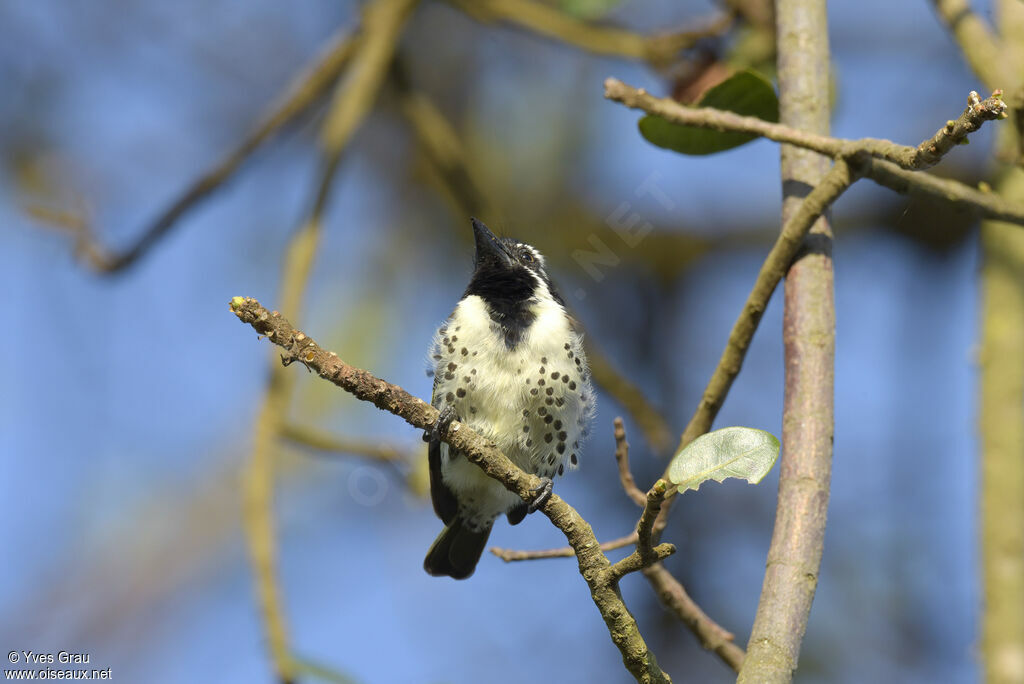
(509, 363)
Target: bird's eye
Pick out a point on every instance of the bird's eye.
(527, 256)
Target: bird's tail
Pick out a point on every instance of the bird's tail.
(457, 550)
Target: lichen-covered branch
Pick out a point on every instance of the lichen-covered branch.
(305, 89)
(794, 556)
(600, 39)
(593, 564)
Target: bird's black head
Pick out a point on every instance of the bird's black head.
(508, 275)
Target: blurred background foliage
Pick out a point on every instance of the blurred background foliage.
(128, 399)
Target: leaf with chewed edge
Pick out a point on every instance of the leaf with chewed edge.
(741, 452)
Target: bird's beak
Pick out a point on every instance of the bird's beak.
(488, 246)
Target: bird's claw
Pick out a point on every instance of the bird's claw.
(542, 493)
(444, 421)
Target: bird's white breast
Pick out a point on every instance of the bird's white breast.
(534, 400)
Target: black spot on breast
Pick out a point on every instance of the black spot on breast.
(526, 412)
(465, 352)
(572, 386)
(541, 370)
(473, 372)
(554, 376)
(455, 338)
(559, 401)
(561, 435)
(560, 448)
(466, 379)
(551, 459)
(529, 442)
(566, 346)
(573, 459)
(549, 401)
(561, 469)
(565, 378)
(543, 359)
(541, 381)
(548, 437)
(449, 375)
(450, 396)
(534, 391)
(461, 392)
(549, 391)
(542, 411)
(558, 425)
(452, 366)
(472, 409)
(526, 428)
(548, 419)
(437, 357)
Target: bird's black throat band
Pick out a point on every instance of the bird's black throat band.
(507, 293)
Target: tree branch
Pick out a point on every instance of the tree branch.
(511, 555)
(979, 43)
(710, 634)
(600, 39)
(920, 184)
(926, 154)
(594, 565)
(301, 92)
(622, 459)
(794, 557)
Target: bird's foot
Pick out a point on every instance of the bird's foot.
(542, 493)
(444, 421)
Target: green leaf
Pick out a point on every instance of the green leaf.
(746, 92)
(730, 452)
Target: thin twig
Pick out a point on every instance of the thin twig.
(710, 634)
(622, 459)
(305, 89)
(600, 39)
(926, 154)
(510, 555)
(987, 205)
(593, 564)
(647, 551)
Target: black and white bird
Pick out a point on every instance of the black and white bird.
(509, 363)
